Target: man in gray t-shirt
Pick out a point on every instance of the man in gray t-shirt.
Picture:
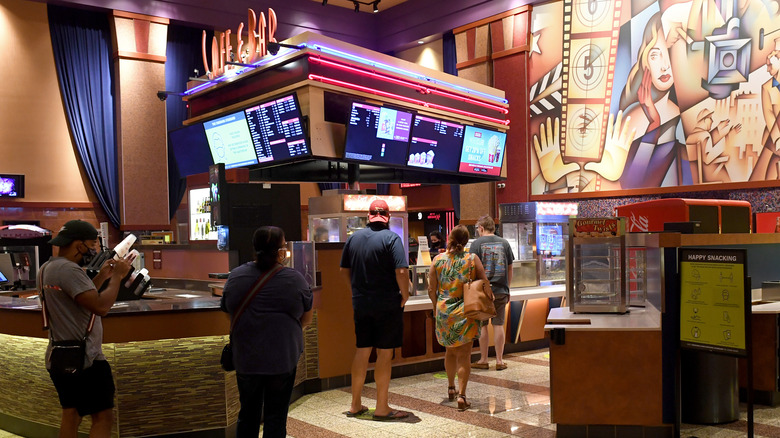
(71, 299)
(496, 256)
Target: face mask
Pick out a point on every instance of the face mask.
(87, 257)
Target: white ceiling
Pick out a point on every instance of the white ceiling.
(366, 5)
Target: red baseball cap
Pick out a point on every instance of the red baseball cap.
(378, 211)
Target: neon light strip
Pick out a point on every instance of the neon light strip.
(403, 72)
(421, 88)
(332, 81)
(232, 73)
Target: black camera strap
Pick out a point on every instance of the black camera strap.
(256, 288)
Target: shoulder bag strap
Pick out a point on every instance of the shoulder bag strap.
(45, 311)
(259, 285)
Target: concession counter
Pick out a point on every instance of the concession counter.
(164, 350)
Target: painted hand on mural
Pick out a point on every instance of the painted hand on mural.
(615, 148)
(548, 152)
(645, 96)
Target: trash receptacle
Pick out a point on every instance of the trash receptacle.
(710, 387)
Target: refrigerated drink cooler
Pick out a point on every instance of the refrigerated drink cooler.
(337, 214)
(537, 233)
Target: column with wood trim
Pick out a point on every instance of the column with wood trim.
(139, 64)
(493, 51)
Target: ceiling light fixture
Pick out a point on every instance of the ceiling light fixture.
(324, 2)
(327, 80)
(357, 6)
(376, 6)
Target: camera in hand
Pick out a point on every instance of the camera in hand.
(135, 283)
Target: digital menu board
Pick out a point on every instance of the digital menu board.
(435, 144)
(377, 134)
(483, 151)
(230, 141)
(276, 130)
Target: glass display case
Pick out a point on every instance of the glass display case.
(201, 227)
(537, 233)
(597, 275)
(337, 214)
(598, 282)
(300, 256)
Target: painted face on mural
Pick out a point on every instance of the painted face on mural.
(659, 65)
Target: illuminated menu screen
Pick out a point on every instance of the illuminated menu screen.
(483, 151)
(276, 130)
(435, 144)
(377, 134)
(230, 141)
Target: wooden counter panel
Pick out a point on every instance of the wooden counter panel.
(607, 378)
(533, 319)
(677, 239)
(130, 327)
(764, 354)
(22, 323)
(335, 325)
(185, 263)
(165, 325)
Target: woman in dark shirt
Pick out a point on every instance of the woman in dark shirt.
(436, 243)
(268, 337)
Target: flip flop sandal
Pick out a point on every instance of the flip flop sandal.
(362, 411)
(393, 415)
(451, 393)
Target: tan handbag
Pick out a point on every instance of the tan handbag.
(478, 300)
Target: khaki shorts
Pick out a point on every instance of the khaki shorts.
(500, 301)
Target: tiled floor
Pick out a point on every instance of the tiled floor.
(512, 402)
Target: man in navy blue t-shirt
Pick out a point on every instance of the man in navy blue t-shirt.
(374, 262)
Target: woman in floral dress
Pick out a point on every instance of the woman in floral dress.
(449, 270)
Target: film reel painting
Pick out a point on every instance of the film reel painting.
(589, 48)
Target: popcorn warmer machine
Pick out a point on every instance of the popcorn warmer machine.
(537, 233)
(337, 214)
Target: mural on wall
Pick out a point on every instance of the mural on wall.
(637, 95)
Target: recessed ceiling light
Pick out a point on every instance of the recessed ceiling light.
(421, 42)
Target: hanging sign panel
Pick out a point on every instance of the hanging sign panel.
(714, 300)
